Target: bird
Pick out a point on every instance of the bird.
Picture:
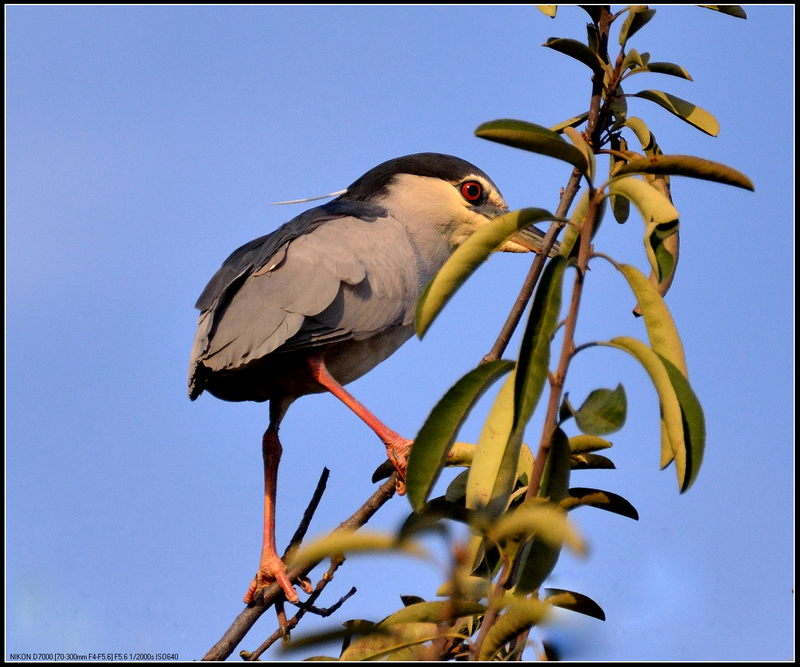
(329, 295)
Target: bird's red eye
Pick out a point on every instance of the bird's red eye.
(471, 190)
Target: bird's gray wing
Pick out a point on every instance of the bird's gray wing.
(383, 298)
(326, 275)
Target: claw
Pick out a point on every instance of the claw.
(270, 571)
(398, 448)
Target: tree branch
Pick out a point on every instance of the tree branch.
(250, 614)
(567, 196)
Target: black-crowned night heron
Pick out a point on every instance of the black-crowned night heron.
(328, 296)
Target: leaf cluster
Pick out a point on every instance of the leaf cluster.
(514, 498)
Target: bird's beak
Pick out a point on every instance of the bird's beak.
(528, 240)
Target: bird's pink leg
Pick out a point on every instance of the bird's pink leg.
(397, 447)
(271, 567)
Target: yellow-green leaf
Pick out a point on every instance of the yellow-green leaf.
(467, 258)
(672, 436)
(632, 60)
(688, 165)
(578, 50)
(731, 10)
(661, 329)
(545, 520)
(354, 542)
(570, 122)
(393, 638)
(492, 443)
(461, 454)
(558, 597)
(591, 462)
(533, 138)
(468, 587)
(669, 68)
(638, 17)
(582, 444)
(642, 132)
(523, 615)
(548, 10)
(686, 111)
(429, 451)
(661, 253)
(604, 500)
(434, 612)
(652, 205)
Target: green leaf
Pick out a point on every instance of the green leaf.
(430, 517)
(524, 614)
(642, 132)
(578, 50)
(565, 410)
(669, 68)
(467, 258)
(457, 489)
(603, 411)
(547, 521)
(558, 597)
(632, 60)
(604, 500)
(582, 444)
(655, 242)
(694, 424)
(638, 17)
(652, 205)
(468, 587)
(672, 431)
(534, 354)
(351, 629)
(434, 612)
(429, 451)
(533, 138)
(539, 559)
(620, 206)
(686, 111)
(555, 476)
(594, 12)
(591, 462)
(354, 542)
(570, 122)
(688, 165)
(392, 638)
(461, 454)
(731, 10)
(411, 599)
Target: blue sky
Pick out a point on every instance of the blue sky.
(144, 144)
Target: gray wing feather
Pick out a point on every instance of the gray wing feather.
(308, 283)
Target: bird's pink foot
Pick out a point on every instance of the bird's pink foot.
(270, 570)
(398, 448)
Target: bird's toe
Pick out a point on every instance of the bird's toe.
(272, 570)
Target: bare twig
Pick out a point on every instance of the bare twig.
(305, 522)
(306, 608)
(250, 614)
